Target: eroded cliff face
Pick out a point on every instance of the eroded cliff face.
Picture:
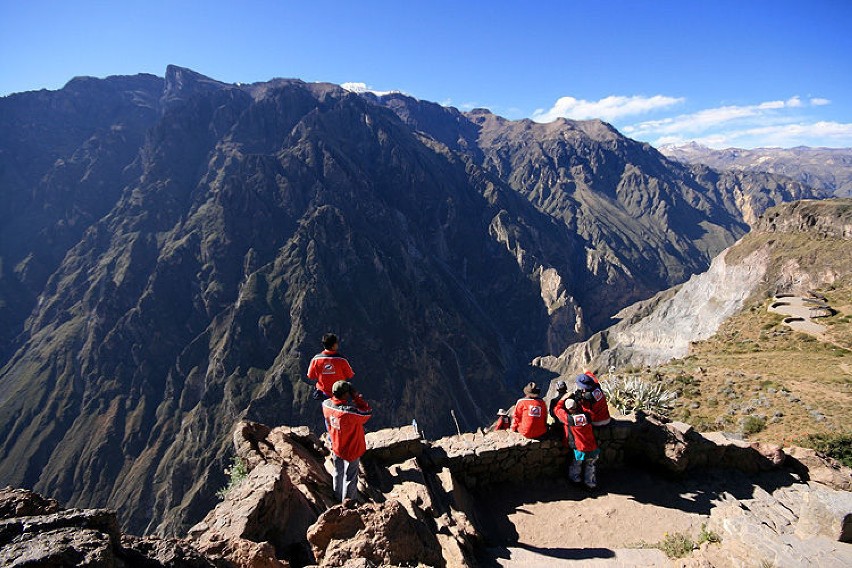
(794, 248)
(661, 329)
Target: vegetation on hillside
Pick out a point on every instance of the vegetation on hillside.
(759, 378)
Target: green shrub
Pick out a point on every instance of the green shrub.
(237, 472)
(753, 424)
(675, 545)
(837, 446)
(707, 536)
(679, 545)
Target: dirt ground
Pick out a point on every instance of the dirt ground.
(553, 519)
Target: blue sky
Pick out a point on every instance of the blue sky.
(740, 73)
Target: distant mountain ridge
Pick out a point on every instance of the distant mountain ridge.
(173, 248)
(828, 170)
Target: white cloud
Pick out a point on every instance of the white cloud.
(363, 88)
(769, 123)
(609, 108)
(822, 133)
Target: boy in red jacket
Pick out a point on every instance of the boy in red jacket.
(328, 367)
(345, 414)
(530, 416)
(581, 438)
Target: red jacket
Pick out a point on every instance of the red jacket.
(530, 417)
(345, 425)
(594, 403)
(327, 368)
(578, 429)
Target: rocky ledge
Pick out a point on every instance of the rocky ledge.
(37, 532)
(417, 507)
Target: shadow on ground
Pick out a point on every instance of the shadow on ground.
(692, 496)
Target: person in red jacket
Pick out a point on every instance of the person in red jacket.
(328, 367)
(530, 416)
(592, 399)
(502, 423)
(581, 438)
(345, 414)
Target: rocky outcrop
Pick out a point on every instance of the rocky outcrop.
(383, 534)
(269, 513)
(824, 219)
(799, 526)
(35, 531)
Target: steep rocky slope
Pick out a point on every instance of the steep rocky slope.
(794, 248)
(175, 247)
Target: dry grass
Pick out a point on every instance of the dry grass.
(757, 371)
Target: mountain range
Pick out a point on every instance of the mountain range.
(827, 170)
(172, 250)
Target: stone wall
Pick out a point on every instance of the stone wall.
(504, 456)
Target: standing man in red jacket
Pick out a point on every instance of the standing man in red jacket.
(530, 416)
(345, 414)
(328, 367)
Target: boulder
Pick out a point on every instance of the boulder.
(827, 513)
(59, 547)
(101, 521)
(23, 503)
(153, 552)
(816, 467)
(266, 515)
(384, 534)
(393, 445)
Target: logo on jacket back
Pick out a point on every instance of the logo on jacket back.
(580, 420)
(535, 411)
(328, 368)
(598, 394)
(334, 422)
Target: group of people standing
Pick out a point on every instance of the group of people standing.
(578, 412)
(345, 412)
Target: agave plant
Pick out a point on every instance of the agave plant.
(629, 394)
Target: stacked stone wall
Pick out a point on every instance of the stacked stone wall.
(491, 457)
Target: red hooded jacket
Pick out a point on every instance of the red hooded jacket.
(596, 406)
(578, 428)
(345, 425)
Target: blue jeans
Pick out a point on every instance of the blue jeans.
(345, 481)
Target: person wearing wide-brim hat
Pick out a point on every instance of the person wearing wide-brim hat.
(503, 421)
(530, 416)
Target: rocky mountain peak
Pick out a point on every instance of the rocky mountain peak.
(181, 82)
